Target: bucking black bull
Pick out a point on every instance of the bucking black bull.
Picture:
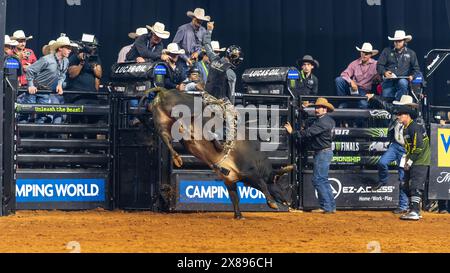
(244, 162)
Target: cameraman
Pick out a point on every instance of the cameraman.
(85, 71)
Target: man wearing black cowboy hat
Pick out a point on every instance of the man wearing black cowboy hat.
(309, 83)
(417, 160)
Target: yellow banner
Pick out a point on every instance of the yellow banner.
(443, 148)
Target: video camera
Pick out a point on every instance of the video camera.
(89, 46)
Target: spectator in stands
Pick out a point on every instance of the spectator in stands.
(221, 81)
(395, 151)
(177, 67)
(190, 36)
(309, 83)
(398, 66)
(194, 81)
(85, 72)
(417, 160)
(25, 55)
(49, 73)
(148, 47)
(320, 135)
(360, 75)
(133, 35)
(8, 50)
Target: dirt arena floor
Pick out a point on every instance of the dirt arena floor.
(294, 232)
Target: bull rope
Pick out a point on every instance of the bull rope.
(229, 110)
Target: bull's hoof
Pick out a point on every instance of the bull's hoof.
(272, 205)
(177, 161)
(239, 217)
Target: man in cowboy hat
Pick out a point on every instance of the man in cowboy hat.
(177, 67)
(320, 137)
(49, 73)
(221, 80)
(359, 76)
(149, 47)
(25, 55)
(417, 160)
(190, 36)
(396, 149)
(398, 66)
(133, 35)
(309, 83)
(8, 49)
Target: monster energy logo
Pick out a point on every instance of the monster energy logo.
(378, 132)
(380, 114)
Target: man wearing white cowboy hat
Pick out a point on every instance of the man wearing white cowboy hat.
(49, 73)
(418, 156)
(398, 66)
(148, 47)
(10, 45)
(133, 35)
(396, 149)
(177, 67)
(359, 76)
(190, 36)
(320, 137)
(25, 55)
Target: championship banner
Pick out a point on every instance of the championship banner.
(353, 190)
(439, 186)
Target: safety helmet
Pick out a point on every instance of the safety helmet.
(235, 55)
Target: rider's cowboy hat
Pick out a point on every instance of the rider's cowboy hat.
(159, 30)
(324, 102)
(10, 42)
(199, 13)
(20, 35)
(368, 48)
(139, 32)
(400, 35)
(174, 49)
(308, 59)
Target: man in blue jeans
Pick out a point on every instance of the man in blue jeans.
(398, 66)
(320, 135)
(395, 151)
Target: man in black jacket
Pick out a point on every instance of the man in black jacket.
(149, 47)
(320, 134)
(398, 66)
(221, 81)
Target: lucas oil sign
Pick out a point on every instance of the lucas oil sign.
(60, 190)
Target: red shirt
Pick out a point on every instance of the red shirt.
(28, 58)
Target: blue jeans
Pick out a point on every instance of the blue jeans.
(395, 88)
(27, 98)
(394, 153)
(343, 89)
(322, 162)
